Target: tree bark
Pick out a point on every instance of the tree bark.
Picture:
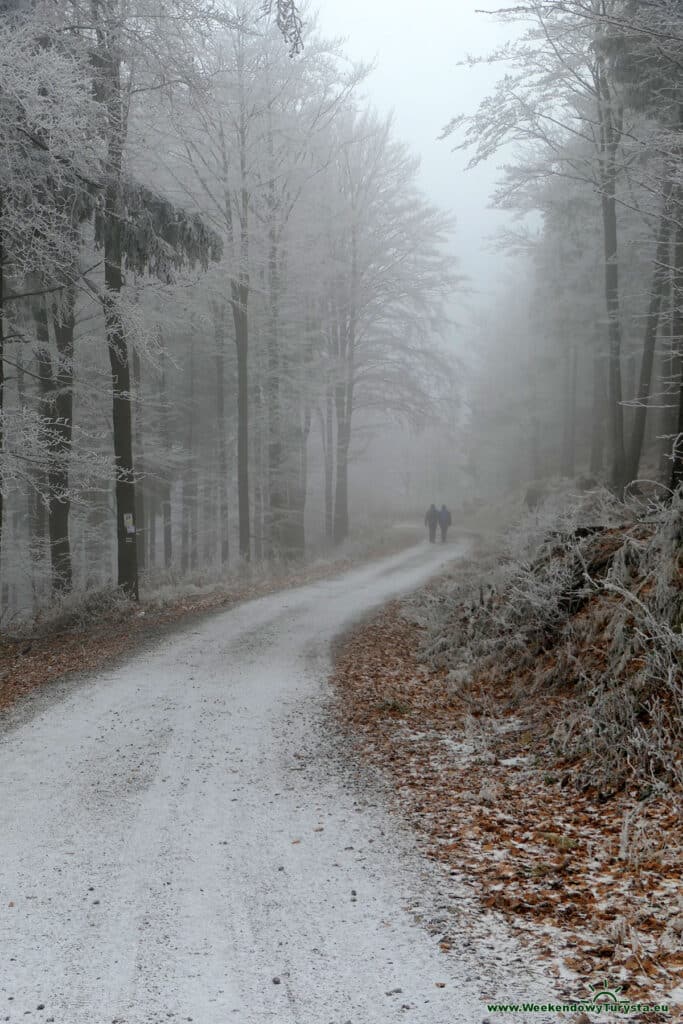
(344, 395)
(299, 533)
(223, 510)
(277, 511)
(596, 464)
(569, 424)
(615, 407)
(152, 509)
(239, 312)
(110, 90)
(166, 508)
(188, 554)
(609, 117)
(2, 370)
(659, 274)
(677, 342)
(60, 503)
(259, 450)
(329, 463)
(127, 562)
(140, 533)
(341, 490)
(56, 404)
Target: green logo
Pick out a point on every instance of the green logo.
(605, 991)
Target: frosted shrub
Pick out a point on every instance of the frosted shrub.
(75, 611)
(584, 595)
(630, 720)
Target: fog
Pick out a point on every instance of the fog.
(256, 309)
(418, 77)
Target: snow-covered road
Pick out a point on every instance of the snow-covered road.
(179, 840)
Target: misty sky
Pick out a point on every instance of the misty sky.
(416, 48)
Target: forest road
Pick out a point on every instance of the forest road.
(181, 840)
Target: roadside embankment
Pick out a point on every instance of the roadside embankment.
(527, 708)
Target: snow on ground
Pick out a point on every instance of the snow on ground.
(181, 840)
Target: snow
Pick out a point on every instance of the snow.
(181, 830)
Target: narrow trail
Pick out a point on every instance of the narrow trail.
(182, 841)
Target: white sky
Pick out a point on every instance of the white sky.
(416, 45)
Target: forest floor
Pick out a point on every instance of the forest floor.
(89, 634)
(478, 776)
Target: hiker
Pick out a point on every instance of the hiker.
(444, 522)
(431, 521)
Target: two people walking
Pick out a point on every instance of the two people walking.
(440, 517)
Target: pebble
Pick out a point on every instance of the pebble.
(276, 981)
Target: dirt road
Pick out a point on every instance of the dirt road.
(180, 840)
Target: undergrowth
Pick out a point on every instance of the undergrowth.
(584, 599)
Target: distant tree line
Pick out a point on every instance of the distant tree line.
(588, 117)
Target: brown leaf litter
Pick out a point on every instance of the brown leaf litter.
(478, 777)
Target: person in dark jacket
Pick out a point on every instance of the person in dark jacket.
(444, 522)
(431, 522)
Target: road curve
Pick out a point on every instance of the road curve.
(180, 841)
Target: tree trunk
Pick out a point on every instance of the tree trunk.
(259, 475)
(598, 417)
(569, 425)
(298, 546)
(127, 562)
(609, 116)
(659, 274)
(35, 507)
(223, 524)
(194, 524)
(341, 491)
(670, 373)
(152, 509)
(166, 508)
(277, 509)
(60, 503)
(677, 341)
(329, 463)
(535, 460)
(2, 369)
(189, 520)
(344, 396)
(39, 492)
(56, 402)
(140, 533)
(239, 312)
(166, 515)
(185, 528)
(615, 408)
